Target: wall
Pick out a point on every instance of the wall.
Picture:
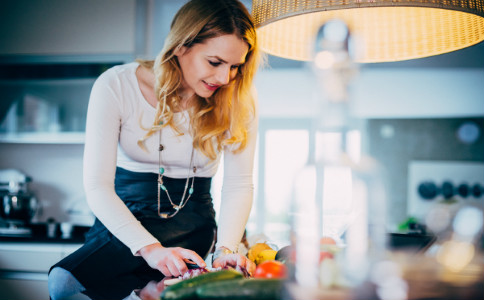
(386, 94)
(417, 139)
(63, 30)
(444, 86)
(424, 107)
(56, 172)
(379, 93)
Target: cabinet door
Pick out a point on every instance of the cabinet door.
(19, 289)
(24, 267)
(28, 289)
(67, 27)
(28, 261)
(44, 110)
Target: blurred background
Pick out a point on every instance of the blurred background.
(423, 121)
(424, 117)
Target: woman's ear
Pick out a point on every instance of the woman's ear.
(180, 51)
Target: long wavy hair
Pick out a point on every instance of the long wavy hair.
(223, 118)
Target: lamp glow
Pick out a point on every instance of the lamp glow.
(391, 30)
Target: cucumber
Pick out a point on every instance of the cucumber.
(242, 289)
(186, 289)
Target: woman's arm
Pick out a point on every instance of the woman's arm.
(237, 198)
(237, 193)
(102, 134)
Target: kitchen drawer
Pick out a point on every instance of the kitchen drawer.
(27, 287)
(35, 261)
(32, 257)
(17, 289)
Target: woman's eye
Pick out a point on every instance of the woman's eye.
(214, 63)
(234, 67)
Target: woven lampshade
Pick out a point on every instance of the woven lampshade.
(390, 30)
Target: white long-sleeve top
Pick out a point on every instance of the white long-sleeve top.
(116, 110)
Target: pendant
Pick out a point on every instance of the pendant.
(164, 215)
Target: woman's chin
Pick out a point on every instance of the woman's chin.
(205, 94)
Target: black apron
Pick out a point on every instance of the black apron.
(103, 261)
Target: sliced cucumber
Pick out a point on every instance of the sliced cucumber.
(242, 289)
(186, 289)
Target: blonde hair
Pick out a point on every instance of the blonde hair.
(223, 118)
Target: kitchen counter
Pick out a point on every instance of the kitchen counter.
(426, 280)
(24, 266)
(40, 235)
(33, 256)
(138, 288)
(26, 257)
(41, 240)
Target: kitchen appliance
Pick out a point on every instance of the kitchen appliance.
(18, 204)
(447, 182)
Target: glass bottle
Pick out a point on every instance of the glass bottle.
(338, 214)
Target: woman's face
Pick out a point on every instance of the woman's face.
(208, 66)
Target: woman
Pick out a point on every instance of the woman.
(154, 138)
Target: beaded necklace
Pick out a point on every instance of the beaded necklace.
(162, 187)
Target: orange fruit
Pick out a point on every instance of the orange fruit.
(326, 240)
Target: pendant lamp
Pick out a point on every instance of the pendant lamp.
(390, 30)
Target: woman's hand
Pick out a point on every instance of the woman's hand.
(152, 290)
(233, 260)
(169, 261)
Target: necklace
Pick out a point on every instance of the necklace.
(162, 187)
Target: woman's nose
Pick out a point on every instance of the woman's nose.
(223, 75)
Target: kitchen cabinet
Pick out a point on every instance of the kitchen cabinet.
(24, 268)
(67, 30)
(44, 110)
(44, 43)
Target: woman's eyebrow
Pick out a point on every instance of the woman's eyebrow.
(221, 60)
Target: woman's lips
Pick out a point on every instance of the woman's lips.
(211, 87)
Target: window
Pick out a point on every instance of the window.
(282, 152)
(284, 146)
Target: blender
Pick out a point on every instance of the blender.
(18, 204)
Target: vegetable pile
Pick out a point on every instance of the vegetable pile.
(236, 283)
(191, 273)
(224, 284)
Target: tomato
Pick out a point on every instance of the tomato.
(324, 255)
(271, 269)
(326, 240)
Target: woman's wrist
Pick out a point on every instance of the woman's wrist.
(147, 249)
(221, 251)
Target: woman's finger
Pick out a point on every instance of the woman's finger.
(173, 269)
(240, 260)
(246, 263)
(226, 260)
(180, 265)
(164, 270)
(250, 266)
(194, 257)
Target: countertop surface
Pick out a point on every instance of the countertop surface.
(39, 233)
(42, 240)
(150, 286)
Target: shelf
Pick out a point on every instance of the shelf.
(43, 138)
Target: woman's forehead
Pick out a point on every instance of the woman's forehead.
(227, 48)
